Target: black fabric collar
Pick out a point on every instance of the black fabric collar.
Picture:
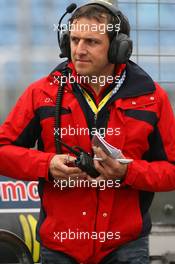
(137, 82)
(60, 67)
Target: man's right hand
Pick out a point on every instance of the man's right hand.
(60, 168)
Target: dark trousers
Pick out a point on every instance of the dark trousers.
(134, 252)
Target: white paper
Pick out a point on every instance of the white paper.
(110, 150)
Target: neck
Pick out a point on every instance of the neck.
(96, 87)
(99, 82)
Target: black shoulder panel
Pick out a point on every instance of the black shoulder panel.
(60, 67)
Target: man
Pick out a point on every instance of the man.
(89, 224)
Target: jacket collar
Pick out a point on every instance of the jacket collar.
(137, 81)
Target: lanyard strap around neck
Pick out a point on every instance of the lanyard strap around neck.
(91, 103)
(102, 103)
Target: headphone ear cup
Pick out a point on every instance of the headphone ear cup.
(65, 45)
(120, 49)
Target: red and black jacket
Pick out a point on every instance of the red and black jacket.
(142, 112)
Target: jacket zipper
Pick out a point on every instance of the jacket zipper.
(95, 120)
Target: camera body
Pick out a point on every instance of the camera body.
(85, 162)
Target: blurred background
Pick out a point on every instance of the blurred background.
(29, 50)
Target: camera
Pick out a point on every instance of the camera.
(85, 162)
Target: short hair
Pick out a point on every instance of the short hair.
(95, 11)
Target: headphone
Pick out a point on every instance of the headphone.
(121, 45)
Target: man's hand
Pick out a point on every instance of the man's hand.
(60, 168)
(109, 168)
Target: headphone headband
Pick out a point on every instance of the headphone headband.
(108, 6)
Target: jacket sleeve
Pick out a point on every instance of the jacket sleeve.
(159, 173)
(18, 134)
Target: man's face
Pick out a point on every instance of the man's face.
(89, 47)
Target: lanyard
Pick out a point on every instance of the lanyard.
(102, 103)
(91, 103)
